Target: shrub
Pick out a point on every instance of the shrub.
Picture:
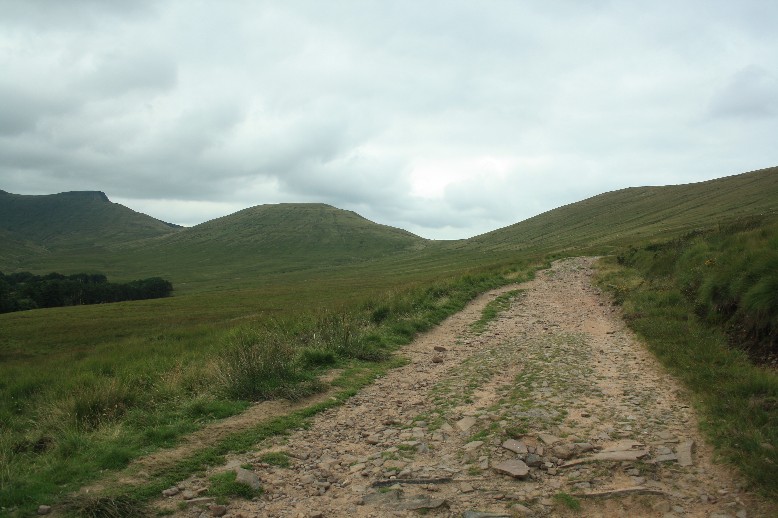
(260, 364)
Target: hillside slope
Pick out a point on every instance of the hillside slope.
(294, 228)
(638, 214)
(266, 240)
(76, 218)
(72, 232)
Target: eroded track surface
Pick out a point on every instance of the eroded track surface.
(555, 405)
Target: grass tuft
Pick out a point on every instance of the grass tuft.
(101, 506)
(568, 501)
(224, 486)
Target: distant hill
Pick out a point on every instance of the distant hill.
(84, 231)
(298, 228)
(75, 218)
(272, 239)
(639, 214)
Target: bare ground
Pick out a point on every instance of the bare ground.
(594, 418)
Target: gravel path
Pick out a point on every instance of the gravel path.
(555, 405)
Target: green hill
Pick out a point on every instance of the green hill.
(638, 214)
(78, 219)
(78, 231)
(243, 248)
(318, 231)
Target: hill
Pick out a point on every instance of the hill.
(290, 229)
(637, 214)
(33, 225)
(72, 232)
(243, 248)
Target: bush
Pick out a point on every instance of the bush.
(260, 364)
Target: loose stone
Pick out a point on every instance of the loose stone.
(514, 468)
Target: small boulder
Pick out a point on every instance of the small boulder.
(515, 446)
(514, 468)
(171, 491)
(244, 476)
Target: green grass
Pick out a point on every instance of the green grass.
(493, 309)
(96, 403)
(83, 390)
(738, 400)
(224, 486)
(276, 458)
(568, 501)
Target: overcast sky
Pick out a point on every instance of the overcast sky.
(446, 118)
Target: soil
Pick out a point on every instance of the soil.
(556, 409)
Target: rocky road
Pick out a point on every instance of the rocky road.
(556, 409)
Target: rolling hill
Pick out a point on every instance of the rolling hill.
(639, 213)
(67, 224)
(80, 231)
(76, 218)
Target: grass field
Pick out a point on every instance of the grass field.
(84, 390)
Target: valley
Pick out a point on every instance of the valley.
(556, 385)
(131, 399)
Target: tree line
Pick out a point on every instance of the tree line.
(24, 290)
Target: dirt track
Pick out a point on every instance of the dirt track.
(593, 417)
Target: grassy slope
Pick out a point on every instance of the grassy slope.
(71, 229)
(243, 249)
(701, 303)
(281, 263)
(78, 218)
(639, 214)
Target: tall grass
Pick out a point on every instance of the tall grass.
(729, 275)
(687, 299)
(78, 414)
(262, 364)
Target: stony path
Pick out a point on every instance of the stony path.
(554, 406)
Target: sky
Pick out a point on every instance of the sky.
(446, 118)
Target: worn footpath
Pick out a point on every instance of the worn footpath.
(554, 410)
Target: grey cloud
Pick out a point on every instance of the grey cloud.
(57, 15)
(752, 92)
(117, 73)
(212, 105)
(22, 110)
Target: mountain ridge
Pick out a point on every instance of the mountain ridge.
(84, 230)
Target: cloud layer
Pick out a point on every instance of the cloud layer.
(448, 118)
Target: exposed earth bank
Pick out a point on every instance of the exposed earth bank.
(554, 410)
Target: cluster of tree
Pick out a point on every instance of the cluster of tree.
(24, 290)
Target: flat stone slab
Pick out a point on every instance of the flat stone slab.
(624, 445)
(684, 453)
(474, 445)
(618, 456)
(548, 439)
(401, 502)
(515, 468)
(667, 457)
(515, 446)
(466, 423)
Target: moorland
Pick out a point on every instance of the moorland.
(270, 298)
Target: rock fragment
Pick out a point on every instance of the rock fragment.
(684, 453)
(515, 446)
(466, 423)
(515, 468)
